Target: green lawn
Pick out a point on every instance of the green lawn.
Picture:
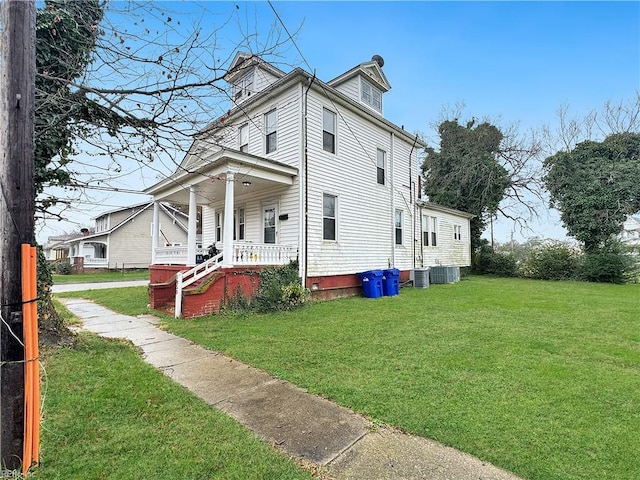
(540, 378)
(101, 277)
(109, 415)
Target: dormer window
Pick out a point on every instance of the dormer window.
(244, 87)
(370, 95)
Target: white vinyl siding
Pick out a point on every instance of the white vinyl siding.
(448, 250)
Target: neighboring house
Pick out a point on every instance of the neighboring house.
(630, 234)
(122, 238)
(57, 247)
(309, 170)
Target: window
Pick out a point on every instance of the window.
(238, 224)
(425, 230)
(381, 161)
(429, 231)
(434, 230)
(370, 95)
(457, 232)
(398, 227)
(328, 131)
(244, 87)
(329, 216)
(270, 131)
(218, 226)
(102, 223)
(243, 138)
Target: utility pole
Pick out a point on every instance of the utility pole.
(17, 104)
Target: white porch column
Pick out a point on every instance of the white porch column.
(155, 233)
(191, 232)
(227, 235)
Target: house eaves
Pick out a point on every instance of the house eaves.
(299, 75)
(363, 69)
(441, 208)
(244, 61)
(216, 159)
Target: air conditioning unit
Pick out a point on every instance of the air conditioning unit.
(439, 274)
(421, 277)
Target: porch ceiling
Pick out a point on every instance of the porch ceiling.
(252, 174)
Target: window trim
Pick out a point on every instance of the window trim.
(325, 131)
(270, 133)
(326, 217)
(381, 170)
(237, 230)
(398, 224)
(434, 231)
(457, 233)
(244, 87)
(370, 95)
(243, 128)
(218, 220)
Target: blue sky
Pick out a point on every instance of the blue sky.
(508, 61)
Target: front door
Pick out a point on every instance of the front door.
(269, 215)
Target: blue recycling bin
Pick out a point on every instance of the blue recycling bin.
(371, 283)
(391, 282)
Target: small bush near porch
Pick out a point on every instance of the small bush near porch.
(540, 378)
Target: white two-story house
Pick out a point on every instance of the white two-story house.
(299, 168)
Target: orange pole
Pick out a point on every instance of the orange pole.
(36, 357)
(27, 440)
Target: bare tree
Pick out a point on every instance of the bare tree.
(621, 116)
(122, 87)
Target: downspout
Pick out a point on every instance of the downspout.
(305, 170)
(392, 263)
(413, 201)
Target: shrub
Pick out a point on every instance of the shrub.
(609, 264)
(62, 268)
(489, 262)
(280, 289)
(554, 261)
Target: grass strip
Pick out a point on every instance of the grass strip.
(109, 415)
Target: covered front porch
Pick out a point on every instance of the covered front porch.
(240, 199)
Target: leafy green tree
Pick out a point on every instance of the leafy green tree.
(595, 186)
(465, 173)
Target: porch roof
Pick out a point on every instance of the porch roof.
(208, 176)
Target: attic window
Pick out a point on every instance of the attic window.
(370, 95)
(244, 87)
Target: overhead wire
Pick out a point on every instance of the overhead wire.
(328, 96)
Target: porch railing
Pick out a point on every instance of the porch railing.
(96, 262)
(243, 254)
(175, 255)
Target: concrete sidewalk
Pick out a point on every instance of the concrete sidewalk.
(76, 287)
(303, 425)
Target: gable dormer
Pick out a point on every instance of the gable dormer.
(366, 83)
(248, 75)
